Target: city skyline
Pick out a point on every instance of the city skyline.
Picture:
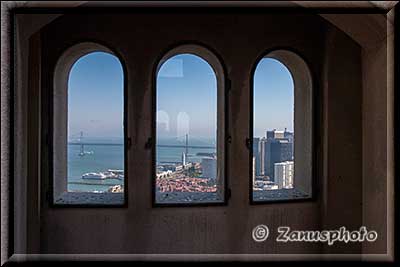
(273, 160)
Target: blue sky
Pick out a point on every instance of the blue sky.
(273, 97)
(95, 96)
(186, 97)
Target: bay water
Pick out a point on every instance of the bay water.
(102, 156)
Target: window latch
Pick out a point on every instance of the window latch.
(228, 193)
(48, 195)
(248, 143)
(129, 143)
(149, 143)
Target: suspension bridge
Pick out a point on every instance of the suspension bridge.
(186, 145)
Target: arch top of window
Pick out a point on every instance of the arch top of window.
(296, 65)
(197, 50)
(73, 53)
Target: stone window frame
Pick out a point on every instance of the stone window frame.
(215, 61)
(60, 197)
(304, 124)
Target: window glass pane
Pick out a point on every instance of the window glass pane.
(186, 128)
(95, 148)
(273, 140)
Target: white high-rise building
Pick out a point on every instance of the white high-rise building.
(262, 152)
(254, 170)
(209, 168)
(283, 173)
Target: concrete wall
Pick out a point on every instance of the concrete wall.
(342, 195)
(374, 33)
(26, 134)
(378, 148)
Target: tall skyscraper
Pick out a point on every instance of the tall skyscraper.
(254, 170)
(277, 147)
(287, 134)
(284, 172)
(256, 155)
(271, 156)
(270, 134)
(275, 134)
(280, 150)
(263, 154)
(290, 137)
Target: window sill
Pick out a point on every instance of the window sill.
(89, 198)
(187, 198)
(279, 195)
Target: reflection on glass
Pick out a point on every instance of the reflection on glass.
(95, 125)
(186, 145)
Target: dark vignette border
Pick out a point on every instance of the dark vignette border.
(12, 141)
(396, 87)
(171, 9)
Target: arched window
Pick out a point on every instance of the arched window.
(88, 132)
(190, 93)
(281, 154)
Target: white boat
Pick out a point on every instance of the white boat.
(95, 176)
(83, 153)
(116, 171)
(117, 174)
